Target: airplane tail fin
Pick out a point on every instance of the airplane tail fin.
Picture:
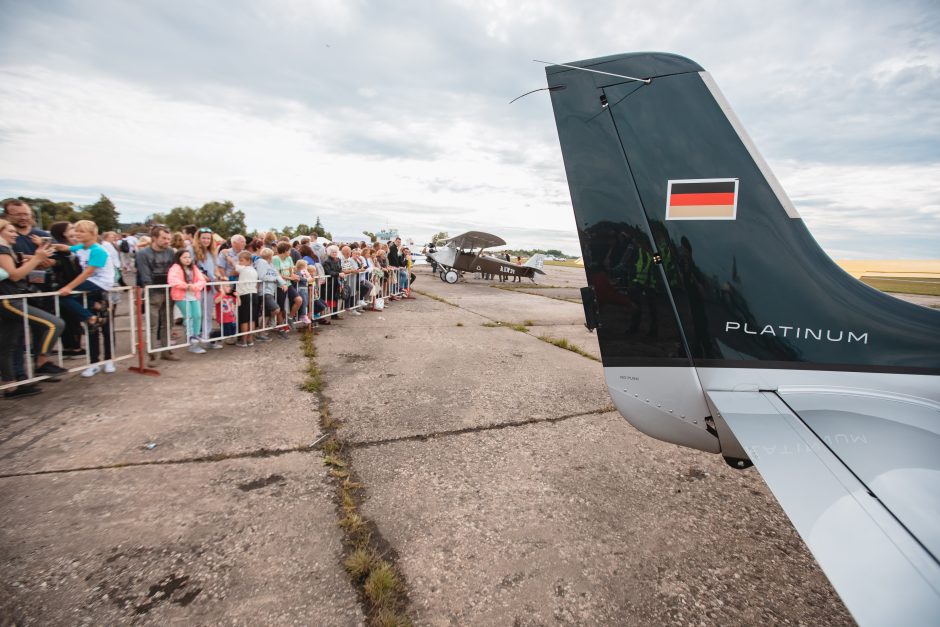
(536, 261)
(695, 253)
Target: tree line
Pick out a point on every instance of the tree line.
(221, 217)
(103, 213)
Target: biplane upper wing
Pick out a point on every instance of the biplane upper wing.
(475, 239)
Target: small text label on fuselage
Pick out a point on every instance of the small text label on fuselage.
(507, 270)
(813, 334)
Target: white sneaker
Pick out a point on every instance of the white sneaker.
(90, 371)
(362, 303)
(109, 367)
(355, 312)
(215, 345)
(197, 349)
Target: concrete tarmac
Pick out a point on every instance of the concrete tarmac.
(515, 496)
(225, 518)
(492, 460)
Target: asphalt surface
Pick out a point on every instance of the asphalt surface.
(493, 464)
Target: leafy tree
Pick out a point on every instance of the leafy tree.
(221, 217)
(320, 231)
(176, 219)
(104, 214)
(372, 237)
(48, 211)
(439, 237)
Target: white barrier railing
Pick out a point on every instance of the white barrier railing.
(151, 312)
(51, 303)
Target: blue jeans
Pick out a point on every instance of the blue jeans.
(73, 305)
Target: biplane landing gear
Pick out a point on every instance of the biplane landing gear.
(441, 274)
(451, 276)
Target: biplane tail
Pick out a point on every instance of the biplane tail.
(536, 262)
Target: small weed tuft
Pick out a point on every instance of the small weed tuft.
(333, 460)
(352, 522)
(359, 563)
(313, 383)
(389, 618)
(331, 446)
(528, 323)
(499, 324)
(382, 584)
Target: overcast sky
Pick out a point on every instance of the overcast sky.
(374, 114)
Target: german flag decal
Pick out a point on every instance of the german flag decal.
(702, 199)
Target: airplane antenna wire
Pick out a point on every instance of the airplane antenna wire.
(554, 88)
(584, 69)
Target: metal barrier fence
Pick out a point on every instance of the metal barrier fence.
(152, 313)
(23, 312)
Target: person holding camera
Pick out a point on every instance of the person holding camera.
(15, 312)
(153, 268)
(66, 268)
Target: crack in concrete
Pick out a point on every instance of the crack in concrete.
(204, 459)
(422, 437)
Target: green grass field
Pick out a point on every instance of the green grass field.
(904, 285)
(566, 264)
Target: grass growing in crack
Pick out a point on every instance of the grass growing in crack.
(568, 346)
(509, 325)
(313, 383)
(381, 588)
(437, 298)
(528, 323)
(326, 418)
(527, 286)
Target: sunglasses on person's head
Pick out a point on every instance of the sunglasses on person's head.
(204, 230)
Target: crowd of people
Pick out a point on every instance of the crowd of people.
(235, 291)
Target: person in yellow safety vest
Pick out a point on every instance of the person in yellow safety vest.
(643, 292)
(644, 276)
(672, 272)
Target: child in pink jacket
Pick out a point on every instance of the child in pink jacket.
(186, 286)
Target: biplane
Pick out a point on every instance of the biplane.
(464, 253)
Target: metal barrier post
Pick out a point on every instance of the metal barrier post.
(141, 347)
